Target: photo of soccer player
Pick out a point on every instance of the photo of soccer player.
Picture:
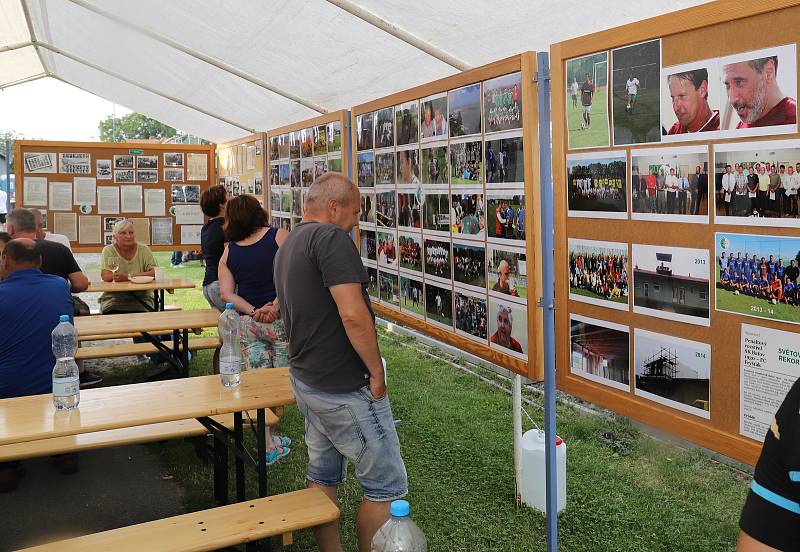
(367, 245)
(466, 163)
(508, 327)
(690, 101)
(600, 351)
(273, 148)
(439, 304)
(406, 119)
(596, 185)
(670, 184)
(364, 131)
(384, 168)
(366, 169)
(307, 169)
(384, 128)
(334, 137)
(294, 174)
(502, 103)
(433, 165)
(757, 183)
(436, 214)
(412, 297)
(635, 87)
(283, 146)
(587, 101)
(387, 249)
(307, 142)
(505, 213)
(467, 214)
(469, 264)
(389, 288)
(759, 92)
(372, 286)
(386, 209)
(507, 272)
(283, 174)
(409, 209)
(505, 160)
(294, 145)
(407, 166)
(433, 123)
(470, 314)
(757, 276)
(410, 252)
(321, 140)
(437, 259)
(598, 273)
(465, 110)
(367, 216)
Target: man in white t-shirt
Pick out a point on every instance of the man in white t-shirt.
(728, 185)
(573, 88)
(791, 185)
(632, 88)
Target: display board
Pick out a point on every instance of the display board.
(448, 232)
(83, 188)
(241, 166)
(299, 153)
(662, 313)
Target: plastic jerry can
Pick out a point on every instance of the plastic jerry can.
(532, 486)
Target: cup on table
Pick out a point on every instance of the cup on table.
(159, 273)
(94, 276)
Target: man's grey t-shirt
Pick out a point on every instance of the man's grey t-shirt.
(313, 258)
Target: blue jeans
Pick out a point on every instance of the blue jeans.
(177, 258)
(356, 427)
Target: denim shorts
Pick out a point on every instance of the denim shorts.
(356, 427)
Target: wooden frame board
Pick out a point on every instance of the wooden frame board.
(101, 151)
(707, 31)
(300, 160)
(244, 161)
(525, 65)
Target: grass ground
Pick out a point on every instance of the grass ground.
(597, 134)
(587, 293)
(625, 490)
(643, 124)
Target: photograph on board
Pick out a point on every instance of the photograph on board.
(439, 304)
(389, 288)
(364, 131)
(294, 174)
(367, 214)
(471, 315)
(757, 276)
(433, 124)
(172, 174)
(757, 183)
(386, 209)
(635, 88)
(505, 160)
(466, 163)
(407, 163)
(505, 212)
(306, 172)
(367, 245)
(467, 214)
(320, 168)
(273, 150)
(366, 169)
(335, 165)
(437, 259)
(103, 169)
(334, 136)
(759, 92)
(384, 128)
(320, 140)
(507, 272)
(436, 214)
(175, 159)
(598, 273)
(372, 285)
(406, 122)
(410, 251)
(387, 249)
(670, 184)
(587, 101)
(147, 162)
(409, 209)
(38, 162)
(690, 101)
(672, 371)
(671, 283)
(433, 165)
(596, 185)
(508, 327)
(464, 106)
(283, 146)
(307, 142)
(502, 103)
(125, 176)
(469, 264)
(600, 351)
(384, 168)
(126, 161)
(412, 296)
(284, 174)
(297, 201)
(294, 145)
(147, 176)
(286, 201)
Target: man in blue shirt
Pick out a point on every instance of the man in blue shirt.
(780, 269)
(746, 268)
(31, 303)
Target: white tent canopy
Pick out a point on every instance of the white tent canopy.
(224, 69)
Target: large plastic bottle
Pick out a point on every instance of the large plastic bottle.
(230, 356)
(533, 485)
(66, 380)
(399, 533)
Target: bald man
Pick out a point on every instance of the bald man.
(335, 363)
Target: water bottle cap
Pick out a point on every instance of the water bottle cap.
(400, 508)
(228, 305)
(63, 318)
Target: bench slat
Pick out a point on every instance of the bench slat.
(127, 335)
(96, 312)
(133, 349)
(163, 431)
(213, 528)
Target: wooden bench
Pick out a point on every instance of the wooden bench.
(135, 435)
(214, 528)
(129, 335)
(134, 349)
(96, 312)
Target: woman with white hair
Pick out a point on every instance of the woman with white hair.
(126, 257)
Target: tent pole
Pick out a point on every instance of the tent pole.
(16, 46)
(23, 81)
(516, 400)
(34, 42)
(200, 56)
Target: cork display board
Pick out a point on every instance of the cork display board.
(662, 313)
(83, 188)
(241, 166)
(298, 154)
(449, 226)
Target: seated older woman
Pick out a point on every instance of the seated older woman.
(126, 257)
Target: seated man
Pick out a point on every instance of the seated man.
(775, 289)
(725, 280)
(789, 291)
(31, 303)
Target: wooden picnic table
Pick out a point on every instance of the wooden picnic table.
(26, 419)
(157, 287)
(147, 323)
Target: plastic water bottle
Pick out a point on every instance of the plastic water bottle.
(230, 356)
(66, 381)
(399, 534)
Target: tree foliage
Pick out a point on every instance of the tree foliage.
(133, 126)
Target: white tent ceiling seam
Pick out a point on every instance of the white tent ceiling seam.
(32, 34)
(26, 79)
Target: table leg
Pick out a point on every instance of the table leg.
(185, 353)
(221, 470)
(261, 451)
(238, 433)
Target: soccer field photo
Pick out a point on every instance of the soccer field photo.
(587, 101)
(635, 101)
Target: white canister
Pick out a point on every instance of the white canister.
(533, 487)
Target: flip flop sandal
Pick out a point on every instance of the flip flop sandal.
(276, 454)
(281, 441)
